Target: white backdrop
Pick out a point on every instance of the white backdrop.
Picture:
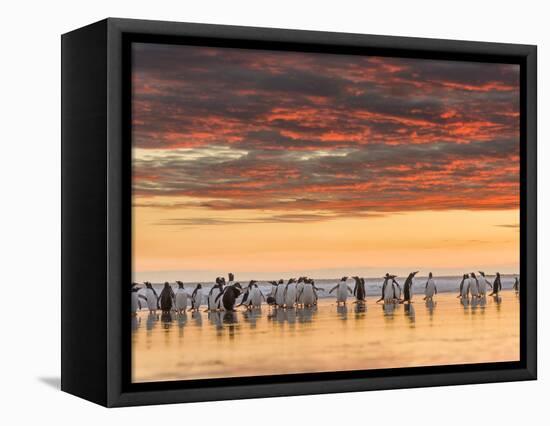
(30, 200)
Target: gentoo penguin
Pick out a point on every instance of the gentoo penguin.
(135, 301)
(213, 294)
(430, 288)
(152, 297)
(307, 294)
(342, 292)
(299, 290)
(280, 293)
(229, 296)
(473, 285)
(290, 293)
(396, 290)
(166, 298)
(196, 298)
(316, 291)
(246, 300)
(463, 290)
(388, 292)
(515, 287)
(408, 288)
(271, 297)
(256, 296)
(359, 289)
(497, 286)
(483, 284)
(181, 298)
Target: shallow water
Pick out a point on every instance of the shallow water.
(325, 338)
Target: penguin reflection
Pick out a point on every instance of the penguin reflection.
(388, 309)
(290, 316)
(196, 316)
(151, 321)
(483, 303)
(498, 300)
(474, 304)
(135, 322)
(230, 322)
(181, 319)
(306, 314)
(515, 287)
(409, 312)
(360, 309)
(342, 311)
(215, 319)
(166, 320)
(230, 318)
(430, 305)
(465, 301)
(251, 316)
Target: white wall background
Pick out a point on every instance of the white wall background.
(30, 208)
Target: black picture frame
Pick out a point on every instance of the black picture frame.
(96, 212)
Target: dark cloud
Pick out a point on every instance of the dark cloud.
(347, 135)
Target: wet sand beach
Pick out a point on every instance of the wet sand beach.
(325, 338)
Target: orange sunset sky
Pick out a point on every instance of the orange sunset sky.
(271, 164)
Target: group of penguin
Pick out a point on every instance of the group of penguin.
(300, 292)
(221, 296)
(472, 286)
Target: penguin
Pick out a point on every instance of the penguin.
(483, 284)
(280, 294)
(359, 289)
(497, 285)
(213, 294)
(166, 298)
(396, 290)
(229, 296)
(181, 298)
(463, 290)
(430, 290)
(299, 290)
(387, 289)
(473, 286)
(135, 298)
(307, 294)
(152, 297)
(271, 297)
(342, 293)
(316, 291)
(196, 298)
(246, 300)
(408, 288)
(515, 287)
(256, 296)
(290, 293)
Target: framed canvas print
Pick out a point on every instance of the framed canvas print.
(253, 212)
